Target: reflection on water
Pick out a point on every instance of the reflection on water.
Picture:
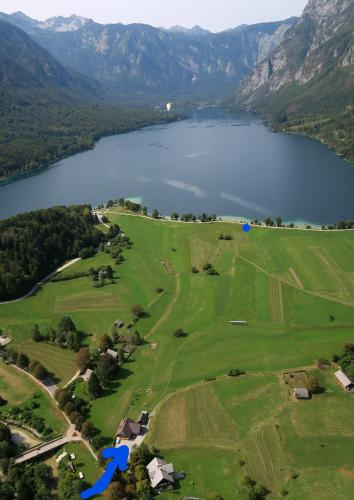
(214, 162)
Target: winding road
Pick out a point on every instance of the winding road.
(40, 283)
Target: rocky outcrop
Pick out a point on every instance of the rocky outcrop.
(322, 41)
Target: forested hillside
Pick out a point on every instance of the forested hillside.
(38, 127)
(48, 112)
(34, 244)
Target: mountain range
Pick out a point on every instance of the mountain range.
(139, 61)
(48, 111)
(309, 78)
(61, 79)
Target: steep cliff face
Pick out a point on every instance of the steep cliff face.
(320, 43)
(307, 84)
(138, 59)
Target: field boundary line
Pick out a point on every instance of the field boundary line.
(168, 309)
(330, 299)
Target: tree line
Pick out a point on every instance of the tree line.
(34, 244)
(37, 129)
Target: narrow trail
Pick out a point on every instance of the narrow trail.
(40, 283)
(77, 374)
(168, 309)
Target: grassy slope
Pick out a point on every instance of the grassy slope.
(17, 389)
(286, 284)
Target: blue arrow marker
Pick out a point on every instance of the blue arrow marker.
(119, 460)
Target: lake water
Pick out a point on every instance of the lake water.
(214, 162)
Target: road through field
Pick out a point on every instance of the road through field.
(40, 283)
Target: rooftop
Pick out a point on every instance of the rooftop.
(343, 379)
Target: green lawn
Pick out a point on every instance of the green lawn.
(285, 284)
(18, 389)
(84, 462)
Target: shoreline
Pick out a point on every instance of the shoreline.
(46, 166)
(226, 220)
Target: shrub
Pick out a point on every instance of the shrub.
(235, 372)
(97, 442)
(180, 333)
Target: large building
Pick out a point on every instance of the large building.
(128, 429)
(161, 473)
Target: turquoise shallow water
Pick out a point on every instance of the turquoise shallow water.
(214, 162)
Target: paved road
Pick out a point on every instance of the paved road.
(40, 283)
(44, 448)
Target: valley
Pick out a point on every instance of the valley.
(177, 250)
(245, 425)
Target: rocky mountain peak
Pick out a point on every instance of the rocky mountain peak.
(61, 24)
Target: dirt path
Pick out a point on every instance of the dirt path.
(40, 283)
(296, 278)
(72, 434)
(77, 374)
(322, 296)
(168, 309)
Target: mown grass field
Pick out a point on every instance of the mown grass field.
(286, 284)
(17, 389)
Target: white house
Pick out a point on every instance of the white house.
(87, 375)
(112, 353)
(161, 473)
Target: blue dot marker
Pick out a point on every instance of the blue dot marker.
(247, 228)
(119, 460)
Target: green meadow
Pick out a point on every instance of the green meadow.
(296, 291)
(20, 390)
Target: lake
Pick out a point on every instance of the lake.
(214, 162)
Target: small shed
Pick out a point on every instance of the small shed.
(301, 393)
(344, 381)
(119, 323)
(112, 353)
(239, 323)
(87, 375)
(144, 418)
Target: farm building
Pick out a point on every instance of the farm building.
(4, 340)
(160, 473)
(301, 393)
(112, 353)
(128, 429)
(118, 323)
(87, 375)
(239, 323)
(344, 381)
(144, 418)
